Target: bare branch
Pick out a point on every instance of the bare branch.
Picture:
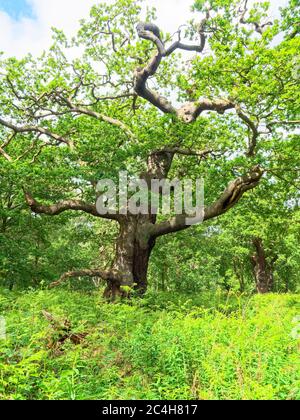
(35, 129)
(259, 27)
(291, 122)
(111, 97)
(178, 45)
(9, 139)
(58, 97)
(6, 155)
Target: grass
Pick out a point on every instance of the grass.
(211, 347)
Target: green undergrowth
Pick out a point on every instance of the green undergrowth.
(211, 347)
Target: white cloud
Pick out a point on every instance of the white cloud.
(34, 35)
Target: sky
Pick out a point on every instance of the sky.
(25, 25)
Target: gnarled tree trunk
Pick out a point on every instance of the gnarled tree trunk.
(131, 262)
(134, 244)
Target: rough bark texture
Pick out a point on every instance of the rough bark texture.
(135, 243)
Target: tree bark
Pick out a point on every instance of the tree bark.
(262, 269)
(131, 262)
(135, 242)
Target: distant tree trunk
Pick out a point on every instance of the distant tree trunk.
(263, 272)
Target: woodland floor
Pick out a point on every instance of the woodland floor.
(161, 347)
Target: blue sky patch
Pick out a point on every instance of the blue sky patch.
(16, 8)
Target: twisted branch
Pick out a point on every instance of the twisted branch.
(190, 111)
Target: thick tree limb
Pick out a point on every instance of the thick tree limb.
(142, 75)
(141, 89)
(234, 193)
(192, 110)
(56, 209)
(229, 198)
(151, 36)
